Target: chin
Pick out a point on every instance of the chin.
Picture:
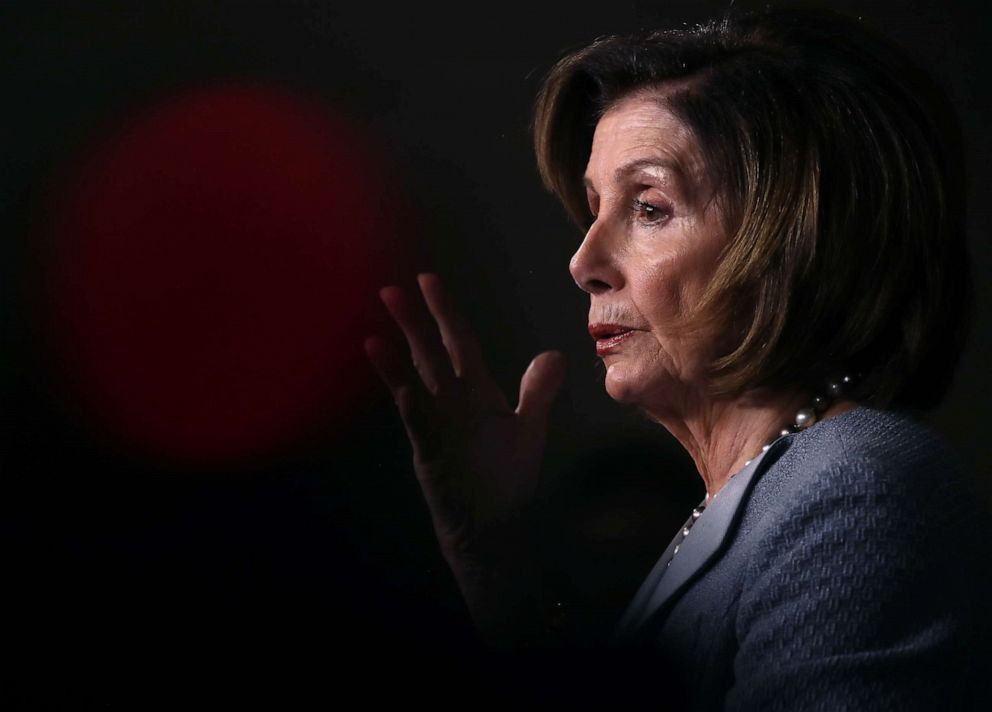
(625, 387)
(647, 390)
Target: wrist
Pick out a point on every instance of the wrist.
(505, 545)
(511, 605)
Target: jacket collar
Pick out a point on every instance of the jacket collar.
(705, 543)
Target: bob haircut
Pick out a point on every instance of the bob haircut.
(839, 168)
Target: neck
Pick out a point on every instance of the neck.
(722, 435)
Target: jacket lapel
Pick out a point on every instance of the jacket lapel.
(703, 545)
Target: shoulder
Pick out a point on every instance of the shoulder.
(870, 508)
(865, 459)
(889, 439)
(870, 476)
(863, 561)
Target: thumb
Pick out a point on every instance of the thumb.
(540, 384)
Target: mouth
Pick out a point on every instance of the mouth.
(609, 336)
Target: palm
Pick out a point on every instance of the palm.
(484, 476)
(477, 460)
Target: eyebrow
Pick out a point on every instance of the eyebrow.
(626, 169)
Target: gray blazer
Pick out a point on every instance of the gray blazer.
(842, 570)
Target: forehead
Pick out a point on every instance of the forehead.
(640, 130)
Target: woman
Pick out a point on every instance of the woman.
(774, 253)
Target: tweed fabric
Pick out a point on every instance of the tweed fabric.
(854, 581)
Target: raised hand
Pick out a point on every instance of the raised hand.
(476, 458)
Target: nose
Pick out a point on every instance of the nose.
(593, 266)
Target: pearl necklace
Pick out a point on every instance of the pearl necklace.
(805, 418)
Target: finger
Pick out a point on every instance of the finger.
(459, 339)
(430, 358)
(540, 384)
(412, 400)
(466, 356)
(421, 428)
(391, 369)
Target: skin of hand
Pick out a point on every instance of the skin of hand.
(477, 459)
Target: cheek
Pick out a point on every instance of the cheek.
(668, 292)
(661, 293)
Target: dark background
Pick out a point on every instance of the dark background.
(128, 576)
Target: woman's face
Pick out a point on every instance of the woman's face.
(649, 254)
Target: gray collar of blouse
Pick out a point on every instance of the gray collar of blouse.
(707, 539)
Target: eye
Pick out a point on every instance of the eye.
(593, 203)
(650, 213)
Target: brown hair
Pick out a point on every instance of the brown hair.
(840, 169)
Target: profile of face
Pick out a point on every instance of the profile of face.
(655, 241)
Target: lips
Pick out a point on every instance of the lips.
(608, 336)
(603, 331)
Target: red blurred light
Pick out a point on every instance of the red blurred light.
(208, 269)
